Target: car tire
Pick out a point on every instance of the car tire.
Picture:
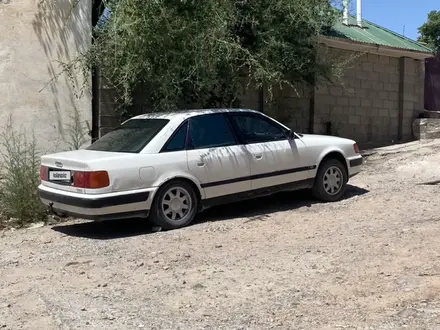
(330, 181)
(175, 199)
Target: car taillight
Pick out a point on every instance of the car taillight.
(356, 148)
(44, 172)
(91, 180)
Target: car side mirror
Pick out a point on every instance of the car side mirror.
(290, 135)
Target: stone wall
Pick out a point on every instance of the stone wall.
(35, 37)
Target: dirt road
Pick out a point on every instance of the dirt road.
(370, 261)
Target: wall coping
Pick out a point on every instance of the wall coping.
(373, 48)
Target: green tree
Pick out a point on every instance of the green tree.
(181, 52)
(430, 31)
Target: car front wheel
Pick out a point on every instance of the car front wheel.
(174, 206)
(330, 181)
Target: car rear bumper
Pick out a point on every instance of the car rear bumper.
(355, 165)
(97, 207)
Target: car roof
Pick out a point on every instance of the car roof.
(183, 114)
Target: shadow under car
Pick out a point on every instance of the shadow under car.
(256, 209)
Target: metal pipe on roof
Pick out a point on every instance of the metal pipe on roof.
(345, 17)
(359, 13)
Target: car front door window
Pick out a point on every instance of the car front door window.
(255, 129)
(271, 153)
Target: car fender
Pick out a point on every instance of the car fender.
(162, 179)
(328, 150)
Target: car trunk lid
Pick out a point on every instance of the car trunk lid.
(60, 167)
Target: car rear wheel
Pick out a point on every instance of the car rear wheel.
(330, 181)
(174, 206)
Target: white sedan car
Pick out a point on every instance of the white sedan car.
(171, 166)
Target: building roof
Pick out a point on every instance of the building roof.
(372, 33)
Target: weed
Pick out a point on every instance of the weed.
(76, 131)
(19, 168)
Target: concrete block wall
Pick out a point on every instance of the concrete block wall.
(366, 105)
(375, 102)
(411, 92)
(291, 106)
(250, 95)
(377, 95)
(109, 114)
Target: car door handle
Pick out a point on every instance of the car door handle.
(258, 156)
(200, 164)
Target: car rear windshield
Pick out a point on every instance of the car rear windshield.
(132, 136)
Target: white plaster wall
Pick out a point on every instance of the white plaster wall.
(34, 35)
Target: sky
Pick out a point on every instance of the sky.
(394, 14)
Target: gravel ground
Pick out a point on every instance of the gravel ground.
(370, 261)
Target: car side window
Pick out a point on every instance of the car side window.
(256, 129)
(178, 140)
(210, 131)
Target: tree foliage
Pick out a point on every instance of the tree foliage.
(430, 31)
(180, 52)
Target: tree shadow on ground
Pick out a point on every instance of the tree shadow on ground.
(255, 210)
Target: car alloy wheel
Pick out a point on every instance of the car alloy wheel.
(330, 181)
(176, 204)
(333, 180)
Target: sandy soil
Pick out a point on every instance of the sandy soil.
(370, 261)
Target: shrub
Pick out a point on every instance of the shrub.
(19, 177)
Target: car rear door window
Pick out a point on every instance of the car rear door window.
(178, 140)
(257, 129)
(210, 131)
(132, 136)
